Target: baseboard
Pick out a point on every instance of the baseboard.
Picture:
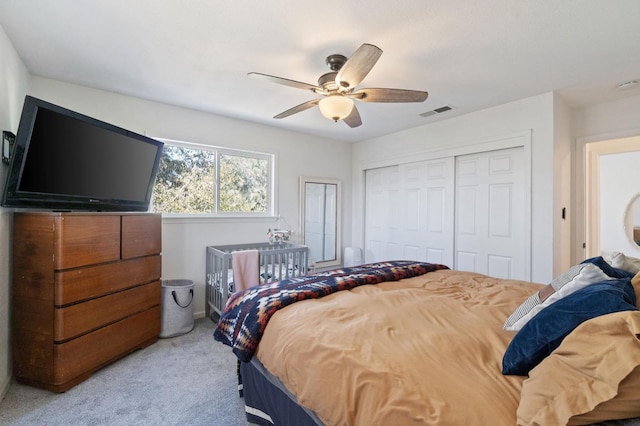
(198, 315)
(5, 387)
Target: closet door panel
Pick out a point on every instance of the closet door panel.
(436, 207)
(381, 191)
(436, 256)
(438, 190)
(489, 210)
(467, 207)
(466, 261)
(419, 205)
(501, 265)
(500, 199)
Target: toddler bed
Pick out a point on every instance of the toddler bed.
(277, 261)
(411, 343)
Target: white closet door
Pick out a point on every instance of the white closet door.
(382, 207)
(410, 211)
(467, 212)
(490, 235)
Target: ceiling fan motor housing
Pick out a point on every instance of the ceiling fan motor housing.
(328, 81)
(335, 61)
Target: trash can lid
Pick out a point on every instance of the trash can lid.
(177, 283)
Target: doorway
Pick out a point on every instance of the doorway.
(612, 186)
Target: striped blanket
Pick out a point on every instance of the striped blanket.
(247, 312)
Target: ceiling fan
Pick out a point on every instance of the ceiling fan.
(339, 87)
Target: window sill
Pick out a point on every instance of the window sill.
(208, 218)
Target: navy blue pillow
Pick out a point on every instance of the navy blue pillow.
(545, 331)
(608, 269)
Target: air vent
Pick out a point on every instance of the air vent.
(437, 111)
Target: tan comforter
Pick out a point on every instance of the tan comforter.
(424, 350)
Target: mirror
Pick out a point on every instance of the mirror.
(633, 220)
(320, 226)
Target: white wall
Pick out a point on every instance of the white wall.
(184, 240)
(562, 184)
(535, 114)
(14, 81)
(601, 121)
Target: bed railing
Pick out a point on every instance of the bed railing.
(278, 261)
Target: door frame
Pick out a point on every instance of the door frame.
(586, 231)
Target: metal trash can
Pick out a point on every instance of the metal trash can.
(177, 307)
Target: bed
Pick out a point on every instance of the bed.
(412, 343)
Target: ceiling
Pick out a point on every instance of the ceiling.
(470, 55)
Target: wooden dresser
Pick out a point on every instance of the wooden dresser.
(86, 291)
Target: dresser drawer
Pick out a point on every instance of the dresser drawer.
(91, 351)
(80, 318)
(94, 281)
(141, 235)
(84, 240)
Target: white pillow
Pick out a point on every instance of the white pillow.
(627, 263)
(575, 278)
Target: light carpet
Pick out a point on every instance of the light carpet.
(184, 380)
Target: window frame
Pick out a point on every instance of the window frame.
(218, 150)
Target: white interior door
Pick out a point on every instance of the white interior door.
(490, 210)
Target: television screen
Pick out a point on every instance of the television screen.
(68, 161)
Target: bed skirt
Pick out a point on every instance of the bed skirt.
(267, 402)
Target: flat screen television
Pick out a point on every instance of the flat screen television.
(64, 160)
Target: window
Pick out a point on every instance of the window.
(201, 179)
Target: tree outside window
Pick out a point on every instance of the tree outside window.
(206, 180)
(243, 181)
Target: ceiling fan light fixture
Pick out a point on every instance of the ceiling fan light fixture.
(336, 107)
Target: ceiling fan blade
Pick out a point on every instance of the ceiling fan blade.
(353, 119)
(358, 66)
(286, 82)
(298, 108)
(389, 95)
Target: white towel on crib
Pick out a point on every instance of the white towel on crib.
(246, 266)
